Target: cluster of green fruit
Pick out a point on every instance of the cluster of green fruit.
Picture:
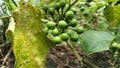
(66, 27)
(56, 7)
(116, 45)
(62, 31)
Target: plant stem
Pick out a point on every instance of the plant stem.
(6, 57)
(5, 17)
(89, 64)
(74, 52)
(58, 14)
(15, 3)
(115, 60)
(79, 58)
(61, 13)
(70, 7)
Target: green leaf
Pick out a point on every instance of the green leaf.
(112, 14)
(30, 42)
(95, 41)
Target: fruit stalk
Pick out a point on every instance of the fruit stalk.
(79, 58)
(5, 17)
(115, 60)
(70, 7)
(14, 3)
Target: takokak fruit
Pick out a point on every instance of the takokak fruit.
(51, 25)
(57, 6)
(62, 24)
(57, 39)
(64, 36)
(74, 37)
(55, 32)
(51, 10)
(118, 46)
(73, 22)
(62, 4)
(80, 29)
(69, 15)
(45, 8)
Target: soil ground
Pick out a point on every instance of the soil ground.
(58, 57)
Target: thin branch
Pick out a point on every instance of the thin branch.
(2, 45)
(15, 3)
(79, 58)
(1, 53)
(5, 17)
(89, 64)
(70, 6)
(116, 57)
(74, 52)
(6, 57)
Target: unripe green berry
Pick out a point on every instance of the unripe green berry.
(80, 30)
(73, 22)
(57, 6)
(51, 25)
(57, 40)
(62, 24)
(45, 8)
(55, 32)
(118, 46)
(64, 36)
(114, 45)
(62, 4)
(69, 15)
(51, 10)
(69, 31)
(74, 10)
(74, 37)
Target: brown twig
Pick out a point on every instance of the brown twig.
(6, 57)
(2, 45)
(1, 53)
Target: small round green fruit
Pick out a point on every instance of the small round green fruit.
(45, 8)
(64, 36)
(51, 10)
(69, 15)
(62, 24)
(74, 37)
(80, 30)
(114, 45)
(51, 25)
(62, 4)
(57, 40)
(118, 46)
(69, 31)
(73, 22)
(57, 6)
(55, 32)
(74, 10)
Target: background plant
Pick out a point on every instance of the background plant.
(90, 25)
